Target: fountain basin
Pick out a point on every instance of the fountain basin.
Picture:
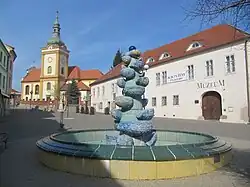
(175, 154)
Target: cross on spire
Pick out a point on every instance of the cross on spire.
(57, 17)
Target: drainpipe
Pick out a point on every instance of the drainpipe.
(247, 83)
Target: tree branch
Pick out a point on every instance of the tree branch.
(236, 11)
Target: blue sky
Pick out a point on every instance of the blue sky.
(93, 30)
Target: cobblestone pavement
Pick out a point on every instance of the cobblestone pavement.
(20, 167)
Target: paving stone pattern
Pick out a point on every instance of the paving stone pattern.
(19, 165)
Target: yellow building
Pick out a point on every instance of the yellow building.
(48, 81)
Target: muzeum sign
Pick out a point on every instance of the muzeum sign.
(212, 84)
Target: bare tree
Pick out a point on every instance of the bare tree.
(234, 12)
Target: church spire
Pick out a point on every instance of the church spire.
(55, 39)
(56, 27)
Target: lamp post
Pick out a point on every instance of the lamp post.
(61, 111)
(67, 104)
(31, 93)
(63, 100)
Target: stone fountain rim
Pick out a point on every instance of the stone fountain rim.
(213, 139)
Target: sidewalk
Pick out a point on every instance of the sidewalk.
(20, 167)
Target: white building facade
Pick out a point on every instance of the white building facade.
(200, 77)
(103, 95)
(210, 85)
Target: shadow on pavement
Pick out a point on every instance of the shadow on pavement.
(19, 161)
(239, 166)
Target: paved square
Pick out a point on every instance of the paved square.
(20, 167)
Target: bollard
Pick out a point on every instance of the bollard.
(61, 119)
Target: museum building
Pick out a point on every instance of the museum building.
(203, 76)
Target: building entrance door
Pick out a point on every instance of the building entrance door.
(47, 97)
(211, 106)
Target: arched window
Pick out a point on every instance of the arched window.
(62, 70)
(194, 45)
(48, 86)
(27, 90)
(164, 55)
(49, 70)
(150, 60)
(37, 89)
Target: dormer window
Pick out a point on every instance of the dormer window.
(164, 55)
(150, 60)
(194, 45)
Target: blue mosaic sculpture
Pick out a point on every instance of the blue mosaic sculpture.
(132, 120)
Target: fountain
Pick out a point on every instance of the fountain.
(132, 120)
(134, 149)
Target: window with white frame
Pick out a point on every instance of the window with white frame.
(153, 101)
(190, 72)
(114, 96)
(164, 55)
(49, 70)
(48, 86)
(103, 90)
(113, 87)
(116, 88)
(230, 64)
(164, 77)
(175, 99)
(158, 79)
(100, 105)
(93, 92)
(164, 100)
(209, 68)
(150, 60)
(4, 82)
(194, 45)
(98, 91)
(4, 61)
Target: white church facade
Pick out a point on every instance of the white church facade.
(204, 76)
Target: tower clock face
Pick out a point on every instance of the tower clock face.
(50, 59)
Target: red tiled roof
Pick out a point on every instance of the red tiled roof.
(214, 37)
(14, 91)
(74, 72)
(32, 76)
(81, 86)
(113, 73)
(90, 74)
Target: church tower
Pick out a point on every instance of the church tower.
(54, 65)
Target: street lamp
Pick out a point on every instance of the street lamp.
(31, 92)
(63, 95)
(61, 111)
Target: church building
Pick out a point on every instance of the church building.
(51, 79)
